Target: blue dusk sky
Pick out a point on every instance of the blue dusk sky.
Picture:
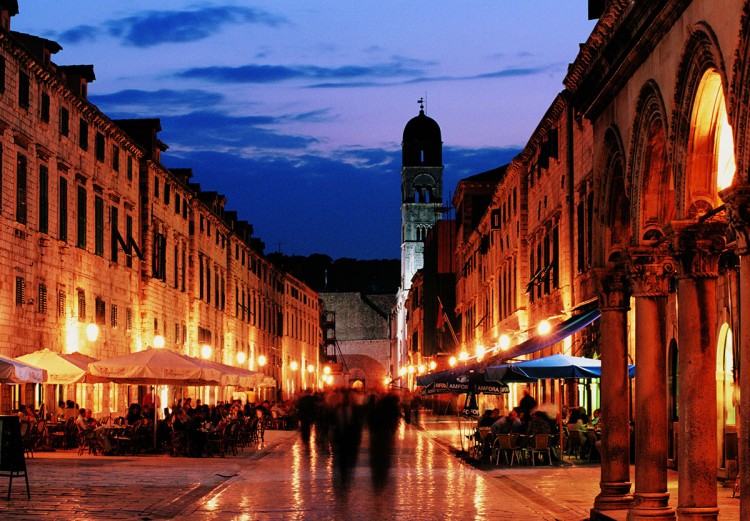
(295, 109)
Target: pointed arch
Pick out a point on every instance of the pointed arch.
(614, 200)
(739, 102)
(700, 125)
(651, 178)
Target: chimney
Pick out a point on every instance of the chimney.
(8, 8)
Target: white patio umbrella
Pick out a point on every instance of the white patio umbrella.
(231, 375)
(62, 369)
(155, 367)
(13, 371)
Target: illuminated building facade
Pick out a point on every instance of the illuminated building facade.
(632, 196)
(97, 231)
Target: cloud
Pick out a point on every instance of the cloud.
(79, 34)
(134, 102)
(280, 73)
(358, 189)
(153, 28)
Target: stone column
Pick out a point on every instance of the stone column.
(614, 297)
(696, 248)
(650, 272)
(737, 200)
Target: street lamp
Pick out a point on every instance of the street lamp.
(433, 365)
(452, 361)
(92, 332)
(504, 342)
(544, 327)
(310, 368)
(463, 356)
(158, 341)
(262, 360)
(206, 351)
(293, 365)
(241, 358)
(326, 370)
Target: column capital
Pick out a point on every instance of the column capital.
(696, 247)
(737, 201)
(614, 289)
(651, 269)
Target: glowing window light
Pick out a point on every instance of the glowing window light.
(452, 361)
(544, 327)
(463, 356)
(421, 368)
(504, 342)
(158, 341)
(206, 351)
(480, 351)
(386, 380)
(433, 365)
(241, 357)
(261, 360)
(410, 368)
(402, 371)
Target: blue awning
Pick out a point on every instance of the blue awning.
(554, 366)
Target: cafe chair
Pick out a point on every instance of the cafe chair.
(539, 446)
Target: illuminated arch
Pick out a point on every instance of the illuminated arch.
(703, 145)
(652, 181)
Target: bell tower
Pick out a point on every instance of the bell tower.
(421, 189)
(421, 207)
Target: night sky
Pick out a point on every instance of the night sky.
(295, 110)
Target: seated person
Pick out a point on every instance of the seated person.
(539, 424)
(509, 424)
(486, 420)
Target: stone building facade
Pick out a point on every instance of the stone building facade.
(97, 231)
(631, 196)
(362, 341)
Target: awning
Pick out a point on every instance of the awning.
(554, 366)
(559, 332)
(458, 383)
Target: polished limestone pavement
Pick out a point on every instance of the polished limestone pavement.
(425, 482)
(429, 479)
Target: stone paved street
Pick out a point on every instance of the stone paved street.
(285, 480)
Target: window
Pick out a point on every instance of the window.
(44, 108)
(63, 205)
(2, 74)
(83, 134)
(21, 189)
(128, 319)
(1, 176)
(176, 266)
(130, 168)
(156, 187)
(41, 301)
(200, 277)
(177, 203)
(113, 315)
(81, 305)
(99, 147)
(159, 267)
(114, 219)
(81, 231)
(23, 90)
(129, 232)
(20, 291)
(61, 303)
(43, 199)
(99, 226)
(115, 158)
(100, 311)
(64, 125)
(167, 192)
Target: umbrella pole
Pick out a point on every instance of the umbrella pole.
(560, 420)
(153, 395)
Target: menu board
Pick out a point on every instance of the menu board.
(11, 445)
